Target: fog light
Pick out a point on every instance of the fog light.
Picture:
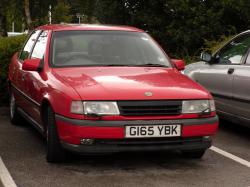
(206, 137)
(87, 141)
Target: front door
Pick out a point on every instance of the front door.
(241, 90)
(34, 81)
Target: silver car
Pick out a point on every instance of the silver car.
(226, 74)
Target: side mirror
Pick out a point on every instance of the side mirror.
(179, 64)
(206, 57)
(31, 64)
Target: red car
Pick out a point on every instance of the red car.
(92, 89)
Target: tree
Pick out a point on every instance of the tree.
(112, 12)
(3, 24)
(61, 13)
(27, 14)
(39, 11)
(3, 27)
(86, 8)
(181, 27)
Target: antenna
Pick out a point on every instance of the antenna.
(49, 14)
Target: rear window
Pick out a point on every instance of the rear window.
(105, 48)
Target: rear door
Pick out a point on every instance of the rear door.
(19, 77)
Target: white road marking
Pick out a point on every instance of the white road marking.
(5, 176)
(231, 156)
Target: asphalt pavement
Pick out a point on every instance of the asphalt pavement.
(22, 150)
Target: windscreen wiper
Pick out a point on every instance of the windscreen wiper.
(136, 65)
(152, 65)
(117, 65)
(205, 112)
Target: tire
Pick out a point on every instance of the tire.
(55, 152)
(195, 154)
(15, 117)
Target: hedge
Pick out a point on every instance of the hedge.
(8, 46)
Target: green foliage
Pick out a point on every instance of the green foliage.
(14, 14)
(8, 46)
(182, 27)
(60, 13)
(213, 45)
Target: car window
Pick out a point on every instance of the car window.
(28, 46)
(40, 46)
(235, 50)
(105, 48)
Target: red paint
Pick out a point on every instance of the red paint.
(199, 130)
(179, 64)
(31, 64)
(63, 27)
(163, 82)
(73, 133)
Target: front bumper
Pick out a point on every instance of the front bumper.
(111, 146)
(109, 136)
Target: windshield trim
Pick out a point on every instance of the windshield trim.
(98, 65)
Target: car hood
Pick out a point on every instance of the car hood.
(193, 67)
(130, 83)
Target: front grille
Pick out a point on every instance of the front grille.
(150, 108)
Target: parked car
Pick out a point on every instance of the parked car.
(90, 89)
(226, 74)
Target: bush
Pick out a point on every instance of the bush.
(210, 46)
(214, 45)
(8, 46)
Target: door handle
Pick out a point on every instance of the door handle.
(230, 71)
(23, 77)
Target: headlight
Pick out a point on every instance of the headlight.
(100, 108)
(212, 105)
(197, 106)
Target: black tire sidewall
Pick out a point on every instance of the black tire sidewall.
(55, 152)
(15, 118)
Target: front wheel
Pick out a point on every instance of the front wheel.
(194, 154)
(55, 152)
(15, 117)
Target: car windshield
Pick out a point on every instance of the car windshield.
(105, 48)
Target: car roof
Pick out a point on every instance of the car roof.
(65, 27)
(244, 32)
